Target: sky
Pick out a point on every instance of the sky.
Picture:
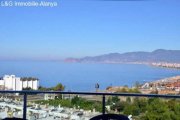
(78, 28)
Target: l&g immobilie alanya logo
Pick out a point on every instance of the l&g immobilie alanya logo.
(28, 3)
(7, 3)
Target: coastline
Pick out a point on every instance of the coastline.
(169, 85)
(155, 64)
(167, 65)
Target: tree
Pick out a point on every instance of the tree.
(115, 99)
(128, 100)
(157, 110)
(41, 88)
(59, 87)
(131, 110)
(174, 107)
(75, 100)
(142, 104)
(27, 88)
(119, 106)
(97, 86)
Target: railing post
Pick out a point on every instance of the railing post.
(25, 106)
(103, 104)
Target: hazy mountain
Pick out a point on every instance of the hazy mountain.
(159, 55)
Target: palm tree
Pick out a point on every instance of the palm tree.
(97, 86)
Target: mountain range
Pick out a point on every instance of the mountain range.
(159, 55)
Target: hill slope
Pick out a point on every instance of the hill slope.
(159, 55)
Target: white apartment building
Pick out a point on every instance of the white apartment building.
(11, 82)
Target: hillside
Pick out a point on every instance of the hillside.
(160, 55)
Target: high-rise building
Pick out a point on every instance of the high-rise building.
(11, 82)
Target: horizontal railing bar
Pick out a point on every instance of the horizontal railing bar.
(94, 93)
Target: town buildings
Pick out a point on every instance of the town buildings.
(167, 65)
(164, 86)
(11, 82)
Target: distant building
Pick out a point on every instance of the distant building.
(11, 82)
(50, 96)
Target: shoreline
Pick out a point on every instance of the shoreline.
(155, 64)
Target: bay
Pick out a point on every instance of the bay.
(84, 76)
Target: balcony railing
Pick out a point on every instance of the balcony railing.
(26, 93)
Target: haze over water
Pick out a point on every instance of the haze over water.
(83, 76)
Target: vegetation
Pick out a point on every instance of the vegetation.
(139, 108)
(27, 88)
(29, 78)
(58, 87)
(74, 102)
(85, 104)
(147, 109)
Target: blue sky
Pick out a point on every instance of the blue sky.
(78, 28)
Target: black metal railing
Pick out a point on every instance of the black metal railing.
(26, 93)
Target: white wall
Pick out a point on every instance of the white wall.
(2, 82)
(8, 82)
(25, 84)
(18, 84)
(30, 84)
(35, 84)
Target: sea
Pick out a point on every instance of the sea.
(84, 76)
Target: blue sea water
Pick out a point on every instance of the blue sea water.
(84, 76)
